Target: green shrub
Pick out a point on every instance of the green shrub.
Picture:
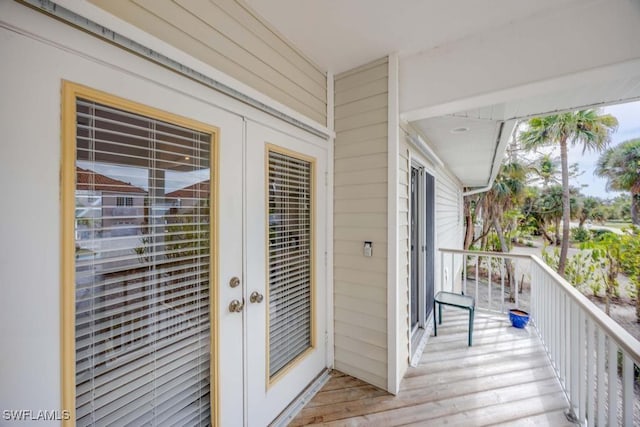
(600, 234)
(580, 234)
(580, 270)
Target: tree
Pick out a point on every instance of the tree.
(546, 208)
(588, 208)
(506, 193)
(587, 127)
(497, 206)
(620, 165)
(547, 170)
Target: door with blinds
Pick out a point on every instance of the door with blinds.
(148, 326)
(286, 232)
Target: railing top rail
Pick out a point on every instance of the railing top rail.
(483, 253)
(625, 340)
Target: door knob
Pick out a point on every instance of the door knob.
(236, 306)
(256, 297)
(234, 282)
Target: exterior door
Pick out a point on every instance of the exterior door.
(430, 210)
(416, 226)
(149, 246)
(285, 296)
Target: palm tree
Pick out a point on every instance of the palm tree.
(621, 166)
(587, 127)
(547, 169)
(550, 209)
(507, 192)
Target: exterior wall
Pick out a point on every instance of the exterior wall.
(449, 229)
(39, 53)
(360, 214)
(227, 35)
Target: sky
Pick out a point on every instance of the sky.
(628, 116)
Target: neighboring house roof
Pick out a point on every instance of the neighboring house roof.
(90, 180)
(197, 190)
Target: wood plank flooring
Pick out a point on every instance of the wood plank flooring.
(504, 379)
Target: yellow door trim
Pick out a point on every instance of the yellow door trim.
(70, 93)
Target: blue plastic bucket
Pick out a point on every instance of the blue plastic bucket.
(519, 318)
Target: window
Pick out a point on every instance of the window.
(290, 259)
(124, 201)
(141, 323)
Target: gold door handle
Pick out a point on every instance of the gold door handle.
(256, 297)
(236, 306)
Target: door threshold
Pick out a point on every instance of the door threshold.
(420, 339)
(301, 401)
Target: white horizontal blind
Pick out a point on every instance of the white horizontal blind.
(142, 270)
(290, 258)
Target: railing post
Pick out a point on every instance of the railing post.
(549, 290)
(582, 379)
(515, 279)
(533, 299)
(464, 274)
(627, 391)
(591, 363)
(490, 260)
(574, 364)
(557, 313)
(612, 362)
(453, 269)
(601, 361)
(441, 273)
(502, 270)
(477, 273)
(568, 343)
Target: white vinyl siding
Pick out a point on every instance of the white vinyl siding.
(449, 227)
(360, 206)
(228, 36)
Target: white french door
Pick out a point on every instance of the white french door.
(272, 239)
(163, 208)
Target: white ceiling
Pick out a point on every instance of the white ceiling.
(341, 34)
(475, 63)
(467, 154)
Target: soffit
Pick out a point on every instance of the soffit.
(339, 35)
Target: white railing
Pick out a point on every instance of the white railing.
(595, 359)
(483, 275)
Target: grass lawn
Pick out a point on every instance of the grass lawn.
(616, 224)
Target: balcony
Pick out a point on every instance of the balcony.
(555, 372)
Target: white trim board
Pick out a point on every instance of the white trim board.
(393, 152)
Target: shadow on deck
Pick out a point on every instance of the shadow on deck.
(504, 379)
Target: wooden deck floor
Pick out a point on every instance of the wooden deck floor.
(504, 379)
